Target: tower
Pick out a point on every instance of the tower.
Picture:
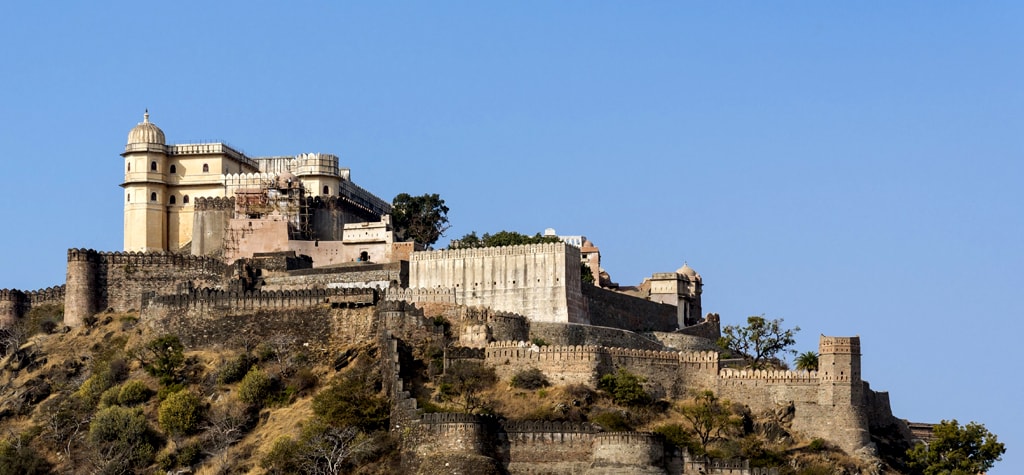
(681, 288)
(145, 188)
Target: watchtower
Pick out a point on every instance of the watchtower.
(145, 188)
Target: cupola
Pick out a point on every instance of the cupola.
(146, 133)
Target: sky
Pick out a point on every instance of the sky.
(852, 169)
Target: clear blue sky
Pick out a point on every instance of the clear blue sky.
(852, 169)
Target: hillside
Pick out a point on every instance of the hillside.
(335, 390)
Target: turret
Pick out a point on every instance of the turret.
(145, 188)
(81, 297)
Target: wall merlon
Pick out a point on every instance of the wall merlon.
(770, 375)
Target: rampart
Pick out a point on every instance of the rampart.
(15, 304)
(349, 276)
(213, 298)
(209, 224)
(540, 281)
(576, 334)
(435, 295)
(613, 309)
(119, 280)
(667, 373)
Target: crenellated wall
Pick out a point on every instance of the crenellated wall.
(121, 280)
(540, 281)
(213, 298)
(15, 304)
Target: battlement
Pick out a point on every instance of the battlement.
(626, 438)
(212, 298)
(524, 249)
(548, 427)
(435, 295)
(215, 203)
(848, 345)
(770, 375)
(146, 259)
(214, 148)
(524, 350)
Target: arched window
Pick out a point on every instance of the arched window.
(184, 200)
(206, 168)
(171, 201)
(173, 169)
(327, 190)
(152, 166)
(152, 196)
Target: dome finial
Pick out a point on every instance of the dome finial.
(145, 117)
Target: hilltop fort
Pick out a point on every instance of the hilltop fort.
(219, 247)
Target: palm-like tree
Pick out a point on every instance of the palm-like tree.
(807, 361)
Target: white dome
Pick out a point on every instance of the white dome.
(146, 132)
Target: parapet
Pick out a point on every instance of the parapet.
(523, 249)
(843, 345)
(146, 259)
(215, 203)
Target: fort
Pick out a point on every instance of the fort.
(203, 247)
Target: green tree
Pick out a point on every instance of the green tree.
(464, 379)
(626, 389)
(709, 417)
(500, 238)
(807, 361)
(122, 439)
(586, 274)
(760, 341)
(422, 219)
(255, 387)
(957, 450)
(353, 400)
(163, 357)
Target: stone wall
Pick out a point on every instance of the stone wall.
(120, 281)
(679, 341)
(15, 304)
(209, 223)
(613, 309)
(540, 281)
(351, 276)
(710, 328)
(564, 334)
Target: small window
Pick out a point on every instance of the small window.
(327, 190)
(206, 168)
(152, 196)
(171, 201)
(152, 166)
(173, 169)
(184, 200)
(129, 166)
(129, 198)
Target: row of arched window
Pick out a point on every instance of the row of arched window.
(173, 169)
(153, 197)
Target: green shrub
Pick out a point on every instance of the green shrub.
(676, 434)
(283, 457)
(353, 401)
(21, 459)
(817, 445)
(625, 388)
(302, 380)
(124, 435)
(163, 357)
(539, 341)
(169, 389)
(180, 413)
(134, 392)
(109, 397)
(255, 387)
(612, 421)
(189, 455)
(531, 378)
(92, 389)
(235, 369)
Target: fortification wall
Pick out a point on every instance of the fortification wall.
(435, 295)
(667, 373)
(628, 452)
(121, 280)
(540, 281)
(709, 328)
(613, 309)
(209, 225)
(682, 342)
(356, 276)
(547, 447)
(576, 334)
(15, 304)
